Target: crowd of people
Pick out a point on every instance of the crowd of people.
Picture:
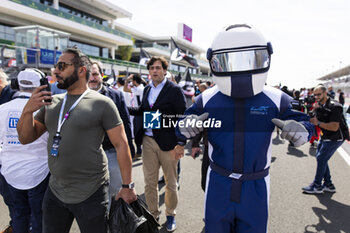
(66, 151)
(82, 173)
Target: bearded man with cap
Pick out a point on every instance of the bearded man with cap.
(24, 167)
(237, 188)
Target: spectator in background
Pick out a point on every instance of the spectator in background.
(285, 90)
(136, 91)
(209, 84)
(309, 100)
(197, 91)
(24, 166)
(170, 77)
(330, 92)
(6, 93)
(341, 97)
(202, 87)
(96, 83)
(329, 117)
(127, 96)
(297, 103)
(303, 93)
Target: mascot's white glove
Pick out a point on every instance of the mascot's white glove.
(292, 131)
(192, 129)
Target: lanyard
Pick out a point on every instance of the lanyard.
(60, 120)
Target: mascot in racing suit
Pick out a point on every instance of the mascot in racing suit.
(240, 113)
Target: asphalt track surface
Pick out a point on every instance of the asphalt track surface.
(290, 211)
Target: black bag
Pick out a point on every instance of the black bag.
(140, 209)
(133, 218)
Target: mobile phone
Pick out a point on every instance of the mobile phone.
(45, 81)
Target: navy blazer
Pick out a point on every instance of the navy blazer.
(170, 101)
(118, 99)
(6, 94)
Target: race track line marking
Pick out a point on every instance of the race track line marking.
(344, 154)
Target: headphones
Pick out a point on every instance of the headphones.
(43, 79)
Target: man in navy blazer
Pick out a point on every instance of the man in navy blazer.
(95, 83)
(163, 101)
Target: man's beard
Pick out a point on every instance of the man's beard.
(67, 82)
(96, 85)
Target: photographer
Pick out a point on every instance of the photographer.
(328, 115)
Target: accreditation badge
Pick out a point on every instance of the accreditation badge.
(55, 145)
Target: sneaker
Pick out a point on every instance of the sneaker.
(313, 189)
(8, 229)
(170, 223)
(329, 188)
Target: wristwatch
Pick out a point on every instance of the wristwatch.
(129, 186)
(181, 143)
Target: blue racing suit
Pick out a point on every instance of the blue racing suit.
(237, 189)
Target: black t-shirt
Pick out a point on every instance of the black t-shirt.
(331, 112)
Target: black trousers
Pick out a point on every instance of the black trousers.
(91, 214)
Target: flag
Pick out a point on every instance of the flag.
(144, 57)
(178, 55)
(187, 84)
(178, 78)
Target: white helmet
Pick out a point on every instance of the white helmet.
(239, 60)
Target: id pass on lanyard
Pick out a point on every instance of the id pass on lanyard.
(61, 120)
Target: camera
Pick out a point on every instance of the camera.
(312, 114)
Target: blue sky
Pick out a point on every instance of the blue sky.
(310, 38)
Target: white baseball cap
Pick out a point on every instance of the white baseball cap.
(29, 78)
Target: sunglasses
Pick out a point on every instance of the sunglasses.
(61, 66)
(318, 94)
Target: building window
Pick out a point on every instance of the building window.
(86, 48)
(7, 33)
(105, 52)
(81, 14)
(46, 2)
(182, 69)
(174, 67)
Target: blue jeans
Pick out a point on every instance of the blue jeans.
(115, 178)
(5, 193)
(325, 150)
(91, 214)
(28, 207)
